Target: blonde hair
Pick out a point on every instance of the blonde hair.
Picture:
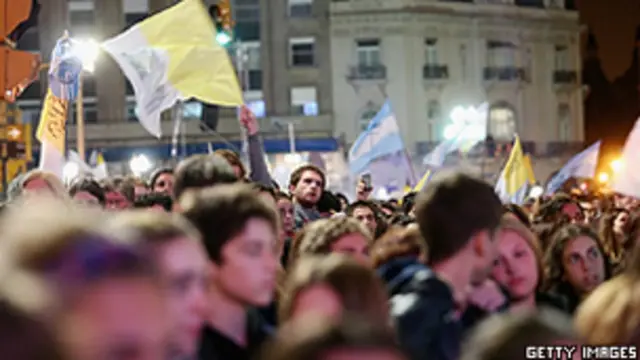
(611, 314)
(321, 234)
(510, 222)
(358, 287)
(53, 182)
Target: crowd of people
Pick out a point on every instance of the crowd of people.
(211, 261)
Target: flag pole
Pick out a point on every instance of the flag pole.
(80, 118)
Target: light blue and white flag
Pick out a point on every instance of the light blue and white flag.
(381, 138)
(627, 180)
(582, 165)
(65, 69)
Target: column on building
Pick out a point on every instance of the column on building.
(53, 21)
(110, 82)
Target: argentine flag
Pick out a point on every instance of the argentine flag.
(582, 165)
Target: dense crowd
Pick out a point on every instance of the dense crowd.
(211, 261)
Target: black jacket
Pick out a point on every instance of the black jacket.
(423, 310)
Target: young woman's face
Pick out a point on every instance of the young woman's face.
(285, 208)
(620, 222)
(516, 268)
(317, 300)
(583, 264)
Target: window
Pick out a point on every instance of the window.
(561, 58)
(300, 8)
(501, 54)
(367, 114)
(304, 101)
(431, 51)
(502, 122)
(368, 52)
(302, 51)
(433, 110)
(564, 122)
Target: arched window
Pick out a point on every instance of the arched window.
(366, 115)
(502, 122)
(564, 122)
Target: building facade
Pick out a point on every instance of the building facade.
(429, 57)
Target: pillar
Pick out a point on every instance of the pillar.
(110, 82)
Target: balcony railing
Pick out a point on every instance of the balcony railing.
(502, 149)
(435, 72)
(367, 72)
(504, 74)
(565, 77)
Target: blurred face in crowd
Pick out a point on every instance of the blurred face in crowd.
(365, 215)
(573, 212)
(247, 272)
(354, 245)
(164, 184)
(583, 264)
(317, 299)
(140, 190)
(516, 267)
(184, 267)
(363, 191)
(85, 197)
(268, 198)
(117, 319)
(37, 185)
(620, 222)
(285, 208)
(483, 247)
(358, 354)
(309, 189)
(115, 200)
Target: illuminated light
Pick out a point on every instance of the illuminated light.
(603, 177)
(293, 159)
(536, 192)
(14, 133)
(584, 186)
(450, 132)
(70, 171)
(87, 51)
(140, 164)
(617, 165)
(223, 38)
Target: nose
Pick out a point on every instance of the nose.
(198, 302)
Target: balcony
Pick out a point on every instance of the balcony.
(505, 74)
(435, 72)
(502, 149)
(367, 73)
(564, 77)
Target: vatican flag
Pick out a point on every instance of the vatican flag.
(174, 56)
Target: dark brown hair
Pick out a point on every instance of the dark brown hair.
(201, 171)
(398, 242)
(296, 175)
(233, 159)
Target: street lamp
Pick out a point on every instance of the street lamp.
(140, 164)
(603, 178)
(87, 51)
(617, 165)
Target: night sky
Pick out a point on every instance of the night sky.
(614, 23)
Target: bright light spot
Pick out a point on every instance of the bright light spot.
(458, 115)
(617, 165)
(223, 38)
(70, 171)
(87, 51)
(14, 133)
(293, 159)
(140, 164)
(450, 132)
(536, 192)
(603, 178)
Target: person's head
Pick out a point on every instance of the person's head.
(161, 181)
(459, 215)
(328, 204)
(202, 171)
(365, 212)
(267, 192)
(100, 298)
(611, 314)
(518, 267)
(575, 257)
(519, 212)
(284, 202)
(240, 232)
(409, 203)
(177, 251)
(336, 235)
(331, 286)
(115, 199)
(352, 338)
(344, 202)
(234, 160)
(87, 191)
(506, 337)
(398, 242)
(38, 182)
(306, 184)
(154, 201)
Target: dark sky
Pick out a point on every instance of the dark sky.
(614, 23)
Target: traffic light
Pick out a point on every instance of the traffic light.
(223, 19)
(18, 69)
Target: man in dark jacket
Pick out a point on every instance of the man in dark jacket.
(458, 216)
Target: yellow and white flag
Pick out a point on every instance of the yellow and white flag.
(51, 134)
(514, 179)
(173, 56)
(99, 171)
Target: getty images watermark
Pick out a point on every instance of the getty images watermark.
(581, 352)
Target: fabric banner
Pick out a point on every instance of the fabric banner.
(53, 121)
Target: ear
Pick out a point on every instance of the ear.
(214, 269)
(291, 188)
(478, 243)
